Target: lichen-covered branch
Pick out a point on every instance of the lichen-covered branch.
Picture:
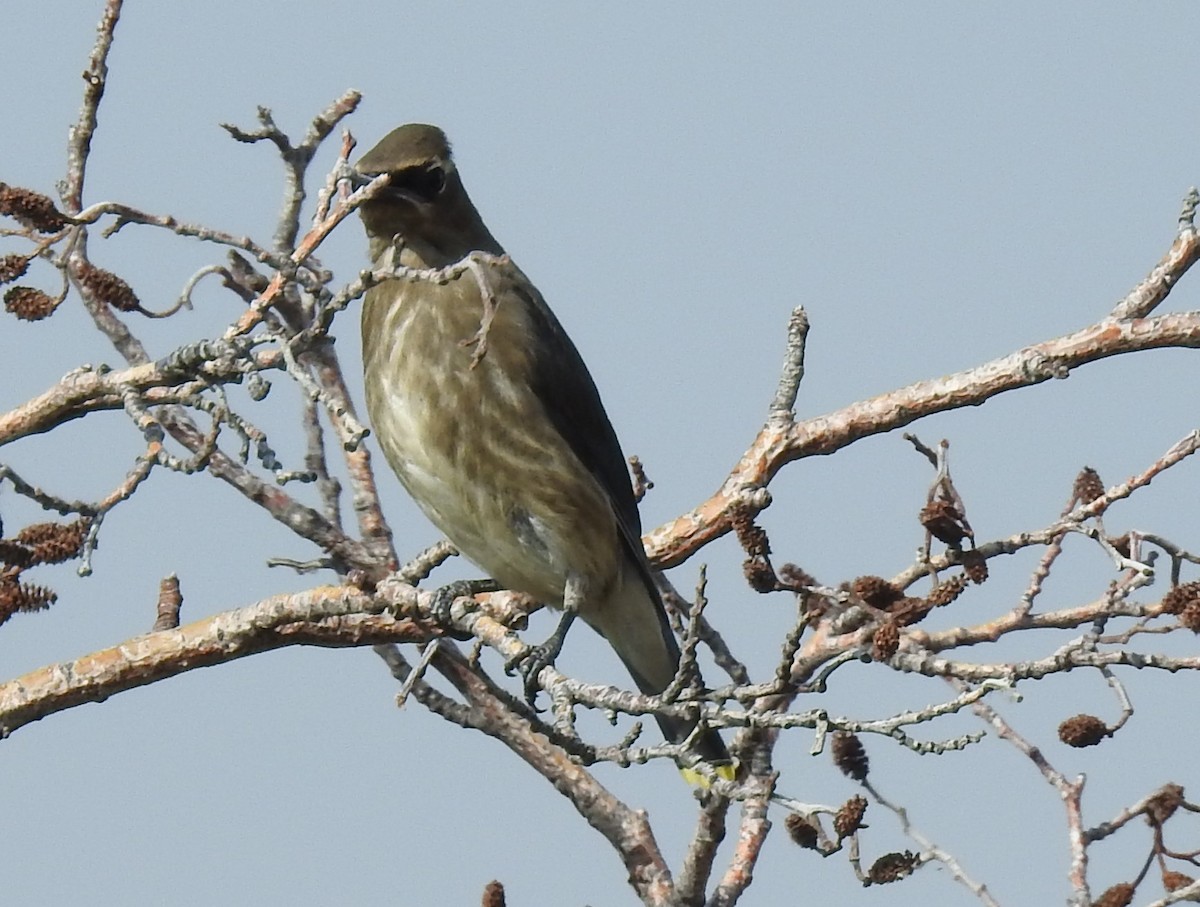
(325, 616)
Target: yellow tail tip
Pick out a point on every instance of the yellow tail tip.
(697, 778)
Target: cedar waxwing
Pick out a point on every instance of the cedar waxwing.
(496, 428)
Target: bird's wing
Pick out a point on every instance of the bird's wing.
(565, 387)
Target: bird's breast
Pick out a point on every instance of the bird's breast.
(474, 445)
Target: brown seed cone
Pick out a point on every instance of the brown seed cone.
(35, 598)
(110, 288)
(1190, 616)
(751, 536)
(170, 601)
(757, 567)
(876, 591)
(12, 266)
(53, 543)
(493, 895)
(1082, 730)
(9, 587)
(29, 303)
(849, 756)
(947, 591)
(1173, 881)
(31, 209)
(1087, 486)
(911, 610)
(15, 554)
(801, 831)
(793, 577)
(975, 567)
(17, 596)
(892, 867)
(1163, 805)
(759, 574)
(944, 522)
(38, 532)
(885, 641)
(1119, 895)
(849, 818)
(1180, 597)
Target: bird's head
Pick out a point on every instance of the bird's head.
(424, 202)
(418, 160)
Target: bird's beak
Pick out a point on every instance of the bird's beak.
(359, 179)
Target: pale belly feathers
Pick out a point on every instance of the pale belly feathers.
(474, 449)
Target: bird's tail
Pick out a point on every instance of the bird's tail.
(634, 622)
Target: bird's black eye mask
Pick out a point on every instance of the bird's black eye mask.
(419, 184)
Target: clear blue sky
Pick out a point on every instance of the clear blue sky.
(938, 184)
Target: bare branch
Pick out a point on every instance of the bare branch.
(792, 373)
(95, 80)
(777, 445)
(325, 616)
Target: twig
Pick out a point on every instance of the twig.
(792, 372)
(1071, 793)
(296, 159)
(95, 78)
(932, 850)
(428, 651)
(1150, 293)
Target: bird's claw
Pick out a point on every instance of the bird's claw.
(529, 664)
(531, 661)
(444, 598)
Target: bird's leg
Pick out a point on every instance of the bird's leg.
(444, 596)
(531, 662)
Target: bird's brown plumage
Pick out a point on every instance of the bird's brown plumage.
(510, 454)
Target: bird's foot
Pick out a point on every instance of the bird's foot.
(529, 665)
(444, 598)
(530, 662)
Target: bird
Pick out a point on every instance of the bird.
(489, 417)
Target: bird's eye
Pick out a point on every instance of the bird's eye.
(426, 183)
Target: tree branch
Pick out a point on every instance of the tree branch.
(324, 616)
